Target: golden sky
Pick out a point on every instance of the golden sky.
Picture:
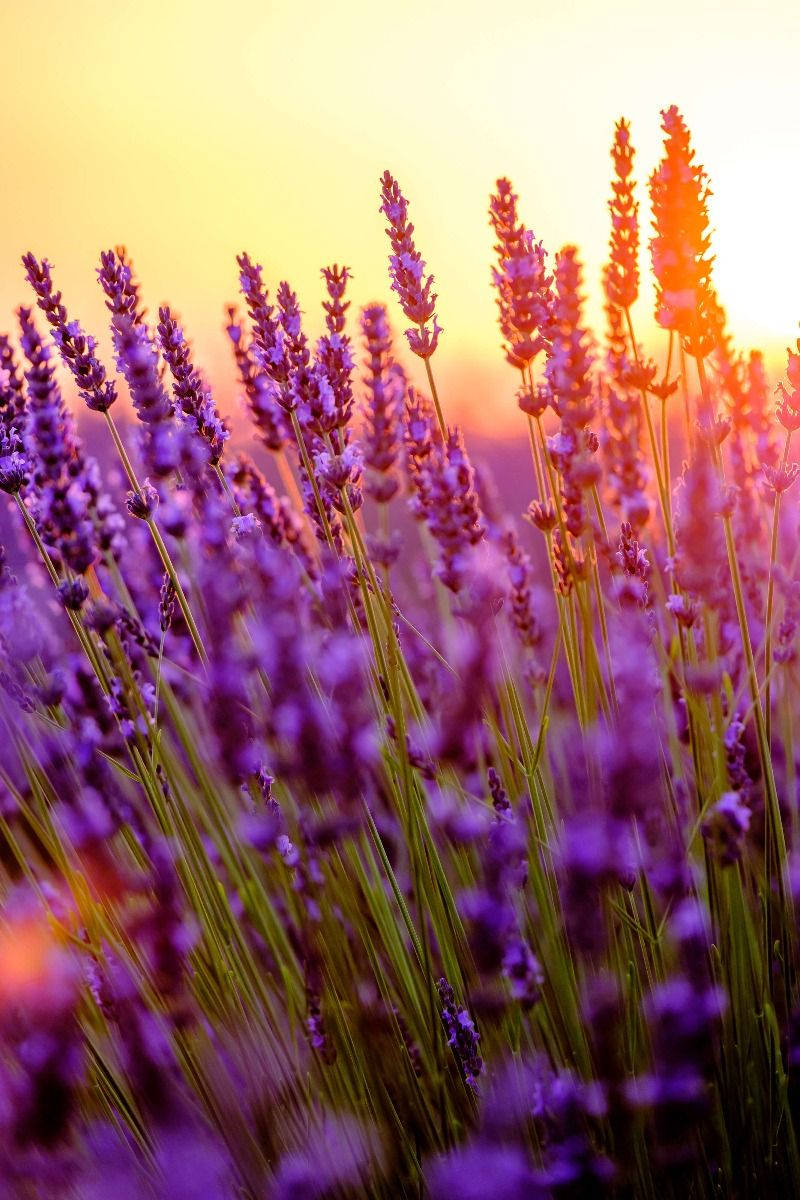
(192, 129)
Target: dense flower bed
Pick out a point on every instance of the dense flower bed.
(357, 838)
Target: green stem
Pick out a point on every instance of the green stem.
(773, 556)
(660, 480)
(435, 395)
(775, 844)
(160, 545)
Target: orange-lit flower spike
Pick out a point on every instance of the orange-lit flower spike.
(788, 408)
(682, 264)
(622, 276)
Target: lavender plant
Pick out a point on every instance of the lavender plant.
(356, 839)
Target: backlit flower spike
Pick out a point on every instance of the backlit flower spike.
(280, 348)
(682, 265)
(336, 280)
(622, 276)
(194, 398)
(60, 502)
(76, 348)
(13, 461)
(334, 353)
(260, 311)
(445, 495)
(520, 577)
(523, 287)
(121, 288)
(620, 438)
(407, 270)
(12, 387)
(292, 350)
(138, 362)
(260, 391)
(123, 301)
(788, 407)
(568, 372)
(569, 359)
(386, 385)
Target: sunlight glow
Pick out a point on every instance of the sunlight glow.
(164, 128)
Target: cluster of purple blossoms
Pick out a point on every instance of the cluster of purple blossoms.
(682, 1014)
(524, 297)
(58, 496)
(138, 362)
(386, 386)
(334, 354)
(635, 566)
(620, 437)
(726, 825)
(288, 837)
(568, 375)
(443, 482)
(194, 399)
(13, 462)
(462, 1036)
(116, 278)
(497, 938)
(520, 577)
(77, 349)
(407, 269)
(260, 391)
(701, 564)
(278, 519)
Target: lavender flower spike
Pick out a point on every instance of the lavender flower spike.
(115, 274)
(407, 269)
(385, 381)
(77, 349)
(138, 362)
(60, 501)
(196, 402)
(462, 1036)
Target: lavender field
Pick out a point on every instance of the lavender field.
(382, 820)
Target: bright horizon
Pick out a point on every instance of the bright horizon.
(189, 134)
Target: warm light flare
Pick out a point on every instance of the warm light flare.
(33, 967)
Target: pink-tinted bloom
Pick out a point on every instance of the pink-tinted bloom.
(568, 375)
(407, 269)
(569, 359)
(521, 281)
(334, 353)
(260, 391)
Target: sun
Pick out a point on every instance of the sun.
(757, 244)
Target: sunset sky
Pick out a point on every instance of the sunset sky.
(190, 130)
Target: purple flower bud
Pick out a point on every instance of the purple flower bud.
(725, 827)
(462, 1036)
(144, 503)
(524, 297)
(407, 270)
(76, 348)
